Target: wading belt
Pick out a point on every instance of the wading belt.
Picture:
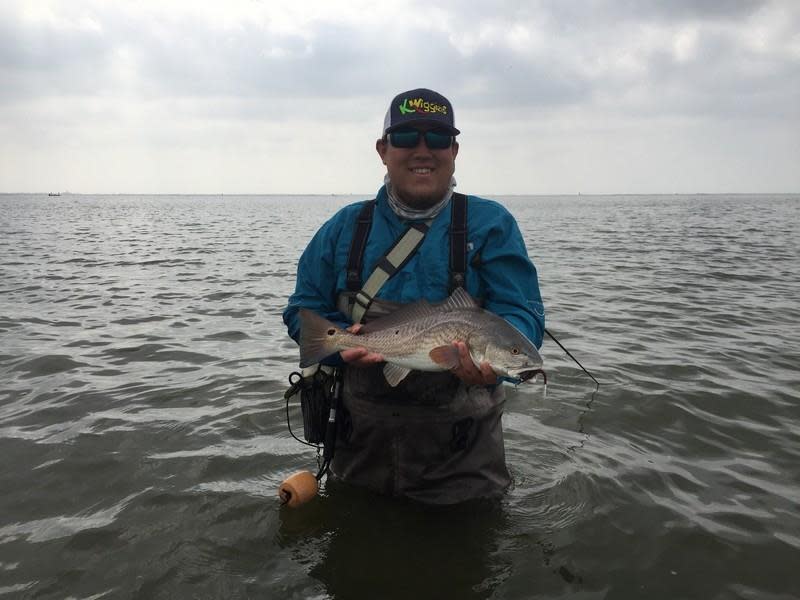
(401, 252)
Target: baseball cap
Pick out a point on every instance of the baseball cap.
(420, 106)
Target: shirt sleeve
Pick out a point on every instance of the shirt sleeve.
(509, 278)
(316, 280)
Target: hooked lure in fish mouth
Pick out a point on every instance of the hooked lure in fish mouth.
(529, 375)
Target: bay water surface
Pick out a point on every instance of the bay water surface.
(143, 435)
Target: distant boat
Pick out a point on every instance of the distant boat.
(54, 193)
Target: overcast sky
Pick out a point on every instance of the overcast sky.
(250, 96)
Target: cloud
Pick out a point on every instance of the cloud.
(161, 78)
(550, 54)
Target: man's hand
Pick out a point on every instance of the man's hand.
(359, 357)
(468, 372)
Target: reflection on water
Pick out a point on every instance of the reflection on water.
(142, 427)
(356, 544)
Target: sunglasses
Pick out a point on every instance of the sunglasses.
(435, 139)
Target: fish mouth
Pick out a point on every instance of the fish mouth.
(530, 374)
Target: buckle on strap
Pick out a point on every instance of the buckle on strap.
(363, 299)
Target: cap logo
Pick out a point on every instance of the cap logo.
(419, 105)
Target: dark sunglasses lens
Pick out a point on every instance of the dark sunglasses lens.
(438, 140)
(404, 138)
(409, 138)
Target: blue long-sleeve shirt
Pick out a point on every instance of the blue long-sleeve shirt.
(504, 278)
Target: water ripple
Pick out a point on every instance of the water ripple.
(142, 423)
(52, 528)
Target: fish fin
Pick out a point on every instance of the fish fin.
(394, 373)
(417, 311)
(459, 299)
(445, 356)
(315, 338)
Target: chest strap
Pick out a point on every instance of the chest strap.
(391, 262)
(355, 258)
(401, 252)
(458, 242)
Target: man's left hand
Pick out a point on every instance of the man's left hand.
(360, 357)
(469, 372)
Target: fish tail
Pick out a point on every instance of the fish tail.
(317, 336)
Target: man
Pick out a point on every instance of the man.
(436, 437)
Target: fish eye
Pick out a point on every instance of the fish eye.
(515, 351)
(331, 331)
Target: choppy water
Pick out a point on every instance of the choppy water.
(142, 434)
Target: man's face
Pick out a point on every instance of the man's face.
(420, 176)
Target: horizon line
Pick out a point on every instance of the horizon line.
(372, 194)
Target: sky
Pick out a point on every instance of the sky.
(263, 97)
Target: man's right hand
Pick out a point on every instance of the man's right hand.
(360, 357)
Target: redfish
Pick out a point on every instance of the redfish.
(420, 337)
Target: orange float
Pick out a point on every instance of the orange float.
(298, 489)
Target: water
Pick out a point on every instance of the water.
(142, 436)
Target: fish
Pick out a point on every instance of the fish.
(419, 337)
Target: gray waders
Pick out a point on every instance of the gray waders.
(432, 438)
